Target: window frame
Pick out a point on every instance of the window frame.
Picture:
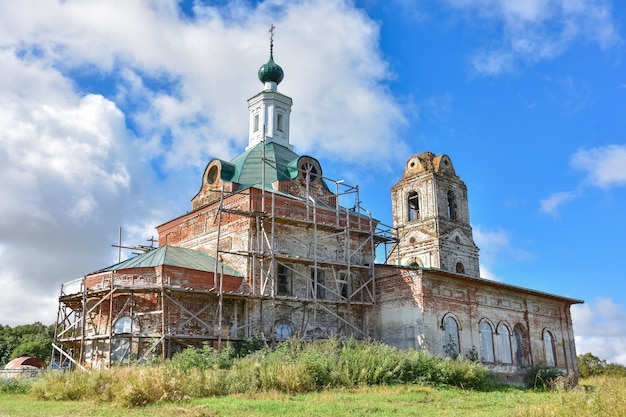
(256, 122)
(452, 205)
(549, 348)
(413, 206)
(487, 348)
(284, 275)
(279, 122)
(452, 339)
(282, 334)
(505, 352)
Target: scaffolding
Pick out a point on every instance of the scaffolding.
(310, 238)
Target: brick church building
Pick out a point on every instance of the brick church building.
(268, 250)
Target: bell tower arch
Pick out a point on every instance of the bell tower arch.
(431, 213)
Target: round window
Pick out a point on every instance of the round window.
(309, 171)
(211, 177)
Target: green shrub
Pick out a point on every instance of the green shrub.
(203, 358)
(15, 386)
(543, 376)
(247, 346)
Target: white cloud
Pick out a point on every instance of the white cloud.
(494, 244)
(487, 273)
(492, 62)
(604, 167)
(66, 170)
(551, 204)
(600, 328)
(530, 31)
(491, 243)
(211, 61)
(71, 170)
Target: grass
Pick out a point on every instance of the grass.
(313, 379)
(398, 400)
(292, 368)
(595, 397)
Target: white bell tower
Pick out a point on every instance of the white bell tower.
(269, 110)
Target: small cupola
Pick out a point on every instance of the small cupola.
(269, 109)
(271, 71)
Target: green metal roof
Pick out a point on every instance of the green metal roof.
(249, 165)
(174, 256)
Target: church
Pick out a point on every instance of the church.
(268, 250)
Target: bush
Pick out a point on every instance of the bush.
(247, 346)
(543, 377)
(294, 366)
(15, 386)
(204, 358)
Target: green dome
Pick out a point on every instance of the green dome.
(271, 72)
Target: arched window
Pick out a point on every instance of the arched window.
(451, 205)
(548, 346)
(504, 344)
(486, 342)
(123, 325)
(414, 206)
(451, 346)
(520, 345)
(283, 331)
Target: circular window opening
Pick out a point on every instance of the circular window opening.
(460, 268)
(212, 175)
(412, 240)
(412, 164)
(309, 171)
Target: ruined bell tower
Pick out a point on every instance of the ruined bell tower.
(431, 214)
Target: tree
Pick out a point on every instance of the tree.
(591, 365)
(30, 339)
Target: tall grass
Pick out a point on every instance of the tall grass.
(598, 396)
(293, 367)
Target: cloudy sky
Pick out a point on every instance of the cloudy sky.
(109, 112)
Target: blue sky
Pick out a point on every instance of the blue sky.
(109, 112)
